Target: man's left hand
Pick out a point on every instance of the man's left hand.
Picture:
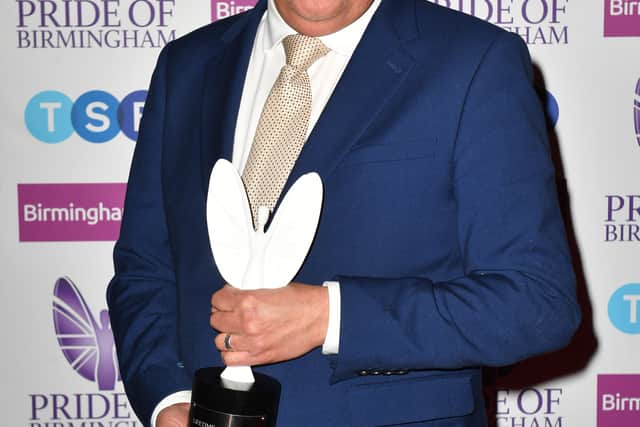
(269, 325)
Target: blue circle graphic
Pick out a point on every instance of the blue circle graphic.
(624, 308)
(48, 117)
(94, 116)
(552, 108)
(130, 113)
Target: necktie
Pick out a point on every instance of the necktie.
(283, 124)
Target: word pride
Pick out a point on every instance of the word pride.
(622, 218)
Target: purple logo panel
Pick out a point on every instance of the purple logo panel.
(221, 9)
(621, 18)
(70, 212)
(87, 345)
(618, 400)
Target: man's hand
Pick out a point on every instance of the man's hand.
(174, 416)
(269, 325)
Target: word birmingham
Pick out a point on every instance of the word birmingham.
(616, 402)
(624, 8)
(224, 9)
(72, 213)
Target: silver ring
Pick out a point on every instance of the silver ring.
(227, 342)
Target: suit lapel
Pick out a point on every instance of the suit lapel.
(377, 68)
(224, 81)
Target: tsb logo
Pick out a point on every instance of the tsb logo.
(95, 116)
(623, 308)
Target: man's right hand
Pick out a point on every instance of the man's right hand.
(174, 416)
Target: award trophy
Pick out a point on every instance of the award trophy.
(251, 259)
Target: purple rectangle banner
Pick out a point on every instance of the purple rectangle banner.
(619, 400)
(621, 18)
(221, 9)
(70, 212)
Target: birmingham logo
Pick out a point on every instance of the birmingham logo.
(221, 9)
(618, 400)
(87, 345)
(621, 18)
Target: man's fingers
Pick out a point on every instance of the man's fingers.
(224, 299)
(176, 415)
(254, 345)
(225, 321)
(244, 358)
(236, 341)
(236, 358)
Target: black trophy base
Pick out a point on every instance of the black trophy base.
(217, 403)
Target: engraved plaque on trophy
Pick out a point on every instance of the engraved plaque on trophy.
(251, 259)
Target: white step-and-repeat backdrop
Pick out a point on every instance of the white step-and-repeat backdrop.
(74, 79)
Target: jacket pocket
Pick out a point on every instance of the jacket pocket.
(388, 152)
(410, 401)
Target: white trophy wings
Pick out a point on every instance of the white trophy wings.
(255, 259)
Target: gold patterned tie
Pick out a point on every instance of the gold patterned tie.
(282, 128)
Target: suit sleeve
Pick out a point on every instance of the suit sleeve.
(516, 297)
(142, 295)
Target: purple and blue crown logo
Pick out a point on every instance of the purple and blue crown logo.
(636, 111)
(87, 345)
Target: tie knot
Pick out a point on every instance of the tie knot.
(302, 51)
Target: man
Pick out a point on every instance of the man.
(440, 231)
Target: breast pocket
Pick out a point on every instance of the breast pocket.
(391, 152)
(417, 400)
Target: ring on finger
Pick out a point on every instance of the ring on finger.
(227, 342)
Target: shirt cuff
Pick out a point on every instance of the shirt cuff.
(331, 343)
(177, 397)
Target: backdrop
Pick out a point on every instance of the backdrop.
(74, 78)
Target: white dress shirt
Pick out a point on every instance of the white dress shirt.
(267, 58)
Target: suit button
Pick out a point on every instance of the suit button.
(363, 373)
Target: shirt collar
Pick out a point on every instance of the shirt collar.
(343, 41)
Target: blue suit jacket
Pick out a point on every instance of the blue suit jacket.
(440, 221)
